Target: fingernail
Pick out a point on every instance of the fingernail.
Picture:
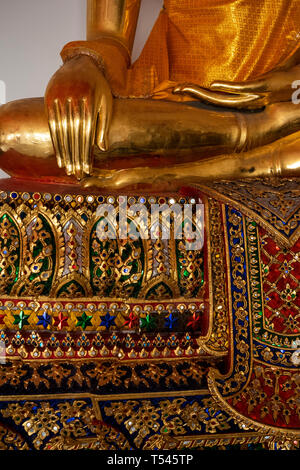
(59, 162)
(86, 169)
(69, 170)
(103, 145)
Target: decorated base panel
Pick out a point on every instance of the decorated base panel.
(134, 342)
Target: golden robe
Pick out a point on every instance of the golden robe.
(200, 41)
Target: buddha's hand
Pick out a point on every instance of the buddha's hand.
(274, 87)
(79, 106)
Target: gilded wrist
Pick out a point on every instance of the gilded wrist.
(76, 53)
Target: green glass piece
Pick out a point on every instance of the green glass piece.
(148, 323)
(84, 321)
(21, 319)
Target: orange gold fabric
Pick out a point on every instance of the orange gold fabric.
(201, 41)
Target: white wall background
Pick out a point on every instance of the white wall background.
(33, 32)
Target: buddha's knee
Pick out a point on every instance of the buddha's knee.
(24, 128)
(26, 149)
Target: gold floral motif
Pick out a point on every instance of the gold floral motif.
(142, 418)
(9, 253)
(58, 372)
(39, 268)
(285, 288)
(11, 440)
(13, 375)
(273, 404)
(103, 374)
(219, 335)
(106, 439)
(273, 203)
(220, 442)
(69, 422)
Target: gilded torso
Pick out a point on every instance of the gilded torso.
(206, 40)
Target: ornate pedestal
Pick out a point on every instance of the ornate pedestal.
(123, 342)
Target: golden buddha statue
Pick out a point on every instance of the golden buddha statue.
(210, 97)
(202, 337)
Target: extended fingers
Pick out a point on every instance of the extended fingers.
(104, 118)
(69, 136)
(58, 136)
(60, 128)
(55, 138)
(221, 99)
(87, 136)
(73, 134)
(255, 86)
(62, 135)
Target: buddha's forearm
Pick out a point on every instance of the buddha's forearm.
(111, 26)
(138, 128)
(141, 129)
(115, 19)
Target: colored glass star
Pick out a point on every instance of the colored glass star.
(193, 321)
(44, 320)
(60, 321)
(107, 321)
(84, 321)
(148, 323)
(170, 321)
(131, 321)
(21, 319)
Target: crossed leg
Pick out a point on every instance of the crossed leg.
(162, 135)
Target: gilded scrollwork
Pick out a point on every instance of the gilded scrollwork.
(271, 202)
(63, 426)
(62, 233)
(134, 371)
(267, 400)
(175, 417)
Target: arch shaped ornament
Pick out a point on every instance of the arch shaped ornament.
(116, 266)
(12, 240)
(72, 286)
(43, 258)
